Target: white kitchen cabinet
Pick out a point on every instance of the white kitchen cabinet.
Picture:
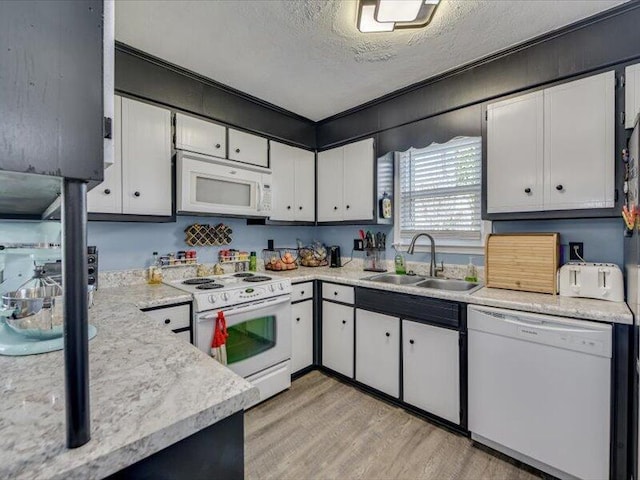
(431, 369)
(248, 148)
(337, 338)
(107, 197)
(200, 136)
(378, 351)
(184, 335)
(139, 181)
(302, 335)
(146, 159)
(293, 183)
(579, 143)
(515, 132)
(553, 149)
(631, 94)
(330, 185)
(345, 182)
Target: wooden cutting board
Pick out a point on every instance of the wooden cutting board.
(523, 261)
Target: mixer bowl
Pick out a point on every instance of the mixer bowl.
(35, 312)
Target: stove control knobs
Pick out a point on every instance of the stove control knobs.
(212, 299)
(225, 296)
(281, 286)
(272, 288)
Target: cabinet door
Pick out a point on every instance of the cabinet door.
(515, 149)
(107, 197)
(283, 160)
(631, 94)
(302, 335)
(378, 351)
(431, 369)
(337, 338)
(358, 180)
(305, 186)
(146, 159)
(579, 143)
(248, 148)
(200, 136)
(330, 185)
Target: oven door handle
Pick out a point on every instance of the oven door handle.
(248, 308)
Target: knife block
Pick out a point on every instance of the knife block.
(375, 260)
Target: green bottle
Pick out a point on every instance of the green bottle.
(253, 262)
(401, 269)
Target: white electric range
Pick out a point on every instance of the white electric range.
(257, 309)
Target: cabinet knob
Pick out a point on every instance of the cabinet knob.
(388, 334)
(344, 322)
(335, 208)
(348, 207)
(137, 194)
(527, 190)
(217, 145)
(298, 319)
(167, 321)
(300, 208)
(559, 188)
(288, 207)
(237, 150)
(335, 293)
(107, 191)
(412, 341)
(302, 292)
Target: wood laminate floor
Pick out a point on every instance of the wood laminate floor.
(325, 429)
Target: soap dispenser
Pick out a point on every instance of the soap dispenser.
(401, 268)
(472, 275)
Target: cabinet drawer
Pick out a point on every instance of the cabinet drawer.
(338, 293)
(301, 291)
(172, 317)
(185, 335)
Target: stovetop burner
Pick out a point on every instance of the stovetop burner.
(196, 281)
(243, 275)
(209, 286)
(257, 278)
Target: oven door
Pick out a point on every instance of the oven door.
(259, 334)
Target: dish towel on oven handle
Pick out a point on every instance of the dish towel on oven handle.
(218, 347)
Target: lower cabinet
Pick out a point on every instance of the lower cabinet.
(431, 369)
(337, 338)
(177, 318)
(301, 335)
(378, 351)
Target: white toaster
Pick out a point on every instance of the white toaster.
(591, 280)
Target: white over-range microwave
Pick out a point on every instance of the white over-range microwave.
(221, 187)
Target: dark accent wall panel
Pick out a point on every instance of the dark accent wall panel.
(605, 40)
(51, 88)
(144, 76)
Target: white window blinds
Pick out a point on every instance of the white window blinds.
(439, 189)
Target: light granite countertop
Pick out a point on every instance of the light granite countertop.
(582, 308)
(149, 389)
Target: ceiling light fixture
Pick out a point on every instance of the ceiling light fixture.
(387, 15)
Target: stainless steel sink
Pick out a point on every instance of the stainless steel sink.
(396, 279)
(452, 285)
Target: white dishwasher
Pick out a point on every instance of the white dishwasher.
(540, 390)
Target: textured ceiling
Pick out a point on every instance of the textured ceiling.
(308, 57)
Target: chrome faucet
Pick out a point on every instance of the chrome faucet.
(433, 270)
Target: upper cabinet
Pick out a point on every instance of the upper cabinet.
(200, 136)
(553, 149)
(631, 95)
(346, 183)
(248, 148)
(293, 183)
(139, 181)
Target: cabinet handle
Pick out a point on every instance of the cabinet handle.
(136, 194)
(288, 207)
(335, 293)
(237, 150)
(411, 342)
(298, 319)
(217, 145)
(527, 190)
(559, 188)
(167, 321)
(388, 334)
(302, 292)
(348, 207)
(107, 191)
(335, 208)
(344, 322)
(300, 208)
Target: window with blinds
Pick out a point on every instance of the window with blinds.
(439, 190)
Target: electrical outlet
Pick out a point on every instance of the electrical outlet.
(358, 244)
(576, 251)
